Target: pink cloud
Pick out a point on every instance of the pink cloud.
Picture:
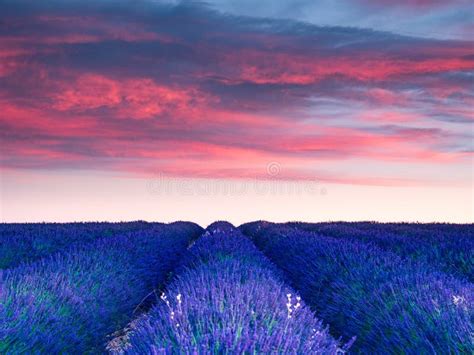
(261, 67)
(90, 92)
(131, 98)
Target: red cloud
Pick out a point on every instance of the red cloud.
(262, 67)
(87, 91)
(131, 98)
(86, 140)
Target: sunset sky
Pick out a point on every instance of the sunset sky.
(238, 110)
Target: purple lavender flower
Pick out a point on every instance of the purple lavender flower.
(392, 304)
(228, 298)
(69, 302)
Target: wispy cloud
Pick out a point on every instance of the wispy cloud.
(140, 86)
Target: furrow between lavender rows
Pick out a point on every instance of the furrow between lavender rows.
(227, 298)
(392, 305)
(70, 302)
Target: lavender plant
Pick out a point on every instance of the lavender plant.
(69, 302)
(393, 305)
(449, 246)
(227, 298)
(448, 249)
(21, 242)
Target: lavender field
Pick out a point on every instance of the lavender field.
(293, 288)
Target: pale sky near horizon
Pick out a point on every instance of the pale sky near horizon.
(83, 197)
(367, 106)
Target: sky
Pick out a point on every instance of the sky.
(239, 110)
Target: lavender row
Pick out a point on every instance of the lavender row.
(450, 228)
(69, 302)
(27, 242)
(392, 305)
(450, 249)
(227, 298)
(449, 246)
